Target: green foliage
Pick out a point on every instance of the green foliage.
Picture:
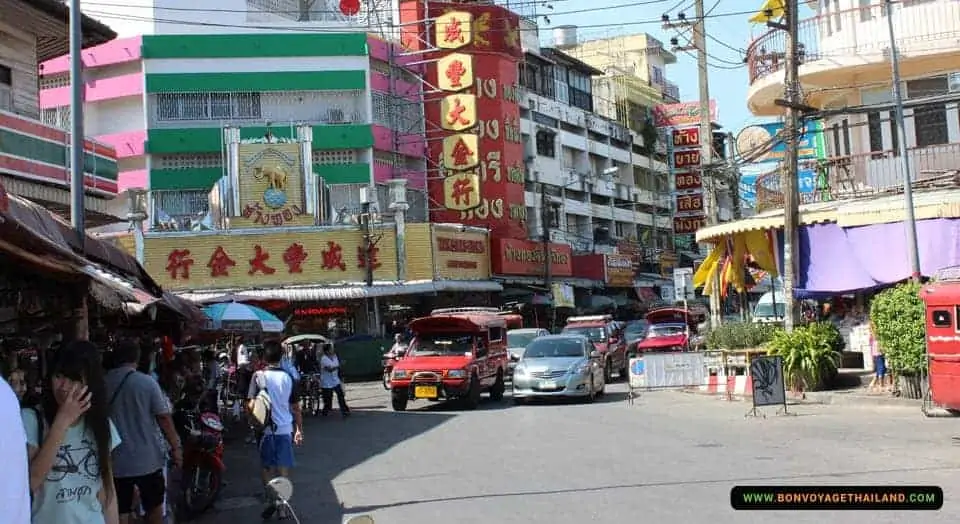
(739, 335)
(899, 317)
(810, 354)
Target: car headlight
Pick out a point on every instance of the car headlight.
(580, 369)
(399, 373)
(520, 370)
(457, 373)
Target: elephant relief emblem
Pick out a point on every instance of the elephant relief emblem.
(276, 177)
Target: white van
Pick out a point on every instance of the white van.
(770, 307)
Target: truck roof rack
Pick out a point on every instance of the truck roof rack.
(948, 274)
(453, 310)
(591, 318)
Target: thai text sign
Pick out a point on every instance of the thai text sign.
(682, 114)
(687, 181)
(689, 204)
(271, 185)
(688, 225)
(522, 257)
(212, 261)
(460, 255)
(620, 271)
(686, 137)
(686, 159)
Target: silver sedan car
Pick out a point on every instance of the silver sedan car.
(559, 366)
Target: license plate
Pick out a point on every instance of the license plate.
(548, 385)
(425, 391)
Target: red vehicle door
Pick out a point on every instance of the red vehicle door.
(942, 300)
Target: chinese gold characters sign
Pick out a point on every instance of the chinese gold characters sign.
(271, 185)
(458, 111)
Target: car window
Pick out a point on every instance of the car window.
(594, 333)
(560, 348)
(665, 330)
(520, 340)
(441, 344)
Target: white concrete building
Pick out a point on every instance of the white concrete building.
(602, 187)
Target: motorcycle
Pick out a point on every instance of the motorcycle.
(390, 359)
(282, 491)
(201, 432)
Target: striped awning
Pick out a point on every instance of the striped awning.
(940, 203)
(344, 293)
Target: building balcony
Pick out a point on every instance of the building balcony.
(861, 175)
(35, 164)
(846, 50)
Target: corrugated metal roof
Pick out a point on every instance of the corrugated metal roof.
(342, 293)
(940, 203)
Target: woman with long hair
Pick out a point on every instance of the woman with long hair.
(69, 442)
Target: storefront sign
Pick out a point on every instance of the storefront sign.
(319, 311)
(453, 30)
(460, 255)
(620, 271)
(271, 185)
(688, 225)
(473, 131)
(689, 204)
(682, 114)
(687, 181)
(686, 159)
(264, 260)
(522, 257)
(686, 137)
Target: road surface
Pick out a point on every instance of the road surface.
(672, 458)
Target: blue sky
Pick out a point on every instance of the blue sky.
(727, 86)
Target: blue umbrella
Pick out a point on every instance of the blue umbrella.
(234, 316)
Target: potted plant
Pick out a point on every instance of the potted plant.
(898, 317)
(810, 355)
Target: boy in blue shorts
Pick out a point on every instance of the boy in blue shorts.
(286, 429)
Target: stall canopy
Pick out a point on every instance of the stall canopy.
(844, 246)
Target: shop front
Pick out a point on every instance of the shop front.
(519, 265)
(616, 275)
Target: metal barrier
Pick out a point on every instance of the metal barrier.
(715, 372)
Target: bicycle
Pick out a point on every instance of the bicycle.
(66, 465)
(310, 401)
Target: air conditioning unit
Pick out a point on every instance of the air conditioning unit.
(953, 82)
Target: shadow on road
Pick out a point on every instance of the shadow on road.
(655, 484)
(331, 445)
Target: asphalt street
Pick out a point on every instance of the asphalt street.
(670, 457)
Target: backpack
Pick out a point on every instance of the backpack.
(261, 412)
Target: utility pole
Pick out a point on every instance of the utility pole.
(791, 195)
(547, 270)
(711, 209)
(77, 204)
(910, 221)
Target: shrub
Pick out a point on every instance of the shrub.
(898, 317)
(739, 335)
(810, 355)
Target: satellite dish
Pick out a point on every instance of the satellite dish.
(753, 143)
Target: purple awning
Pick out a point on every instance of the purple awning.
(835, 260)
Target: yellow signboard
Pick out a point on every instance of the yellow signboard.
(460, 151)
(461, 191)
(271, 185)
(455, 72)
(458, 112)
(243, 261)
(453, 30)
(460, 255)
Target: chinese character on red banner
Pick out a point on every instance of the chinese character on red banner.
(454, 73)
(453, 33)
(259, 262)
(294, 256)
(463, 190)
(333, 257)
(178, 264)
(220, 263)
(374, 257)
(462, 154)
(455, 116)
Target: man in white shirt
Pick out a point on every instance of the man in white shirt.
(15, 490)
(330, 382)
